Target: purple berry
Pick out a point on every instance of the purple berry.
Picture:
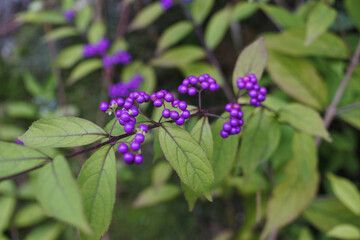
(227, 127)
(141, 99)
(213, 87)
(138, 159)
(234, 113)
(253, 93)
(262, 91)
(182, 105)
(134, 111)
(201, 78)
(205, 85)
(123, 148)
(166, 113)
(160, 94)
(256, 87)
(234, 122)
(211, 80)
(228, 107)
(249, 86)
(129, 127)
(224, 134)
(158, 103)
(182, 89)
(206, 76)
(233, 131)
(193, 80)
(185, 114)
(135, 146)
(174, 115)
(125, 116)
(246, 79)
(251, 75)
(132, 120)
(143, 127)
(113, 102)
(180, 121)
(118, 113)
(104, 106)
(175, 102)
(127, 105)
(253, 101)
(240, 115)
(120, 102)
(241, 122)
(169, 97)
(140, 138)
(186, 82)
(261, 97)
(241, 85)
(238, 129)
(192, 91)
(128, 158)
(236, 106)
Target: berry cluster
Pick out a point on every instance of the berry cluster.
(132, 154)
(120, 57)
(204, 82)
(123, 89)
(234, 125)
(256, 93)
(158, 99)
(166, 4)
(69, 14)
(98, 48)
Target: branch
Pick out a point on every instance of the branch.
(348, 108)
(209, 53)
(331, 110)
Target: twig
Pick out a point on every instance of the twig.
(348, 108)
(123, 21)
(209, 53)
(331, 110)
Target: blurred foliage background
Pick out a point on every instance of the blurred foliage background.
(309, 52)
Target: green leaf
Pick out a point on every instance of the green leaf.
(217, 27)
(83, 69)
(225, 150)
(344, 231)
(282, 17)
(51, 17)
(187, 158)
(298, 78)
(174, 34)
(179, 56)
(292, 42)
(21, 110)
(9, 132)
(31, 84)
(146, 16)
(353, 9)
(201, 132)
(297, 188)
(59, 194)
(352, 117)
(60, 33)
(259, 141)
(243, 10)
(83, 18)
(346, 192)
(7, 206)
(47, 231)
(147, 72)
(15, 158)
(157, 148)
(62, 132)
(254, 183)
(326, 213)
(305, 234)
(304, 119)
(160, 174)
(69, 56)
(320, 19)
(199, 68)
(28, 215)
(200, 9)
(97, 182)
(252, 59)
(67, 4)
(152, 196)
(190, 196)
(96, 31)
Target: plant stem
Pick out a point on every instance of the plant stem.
(348, 108)
(331, 110)
(209, 53)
